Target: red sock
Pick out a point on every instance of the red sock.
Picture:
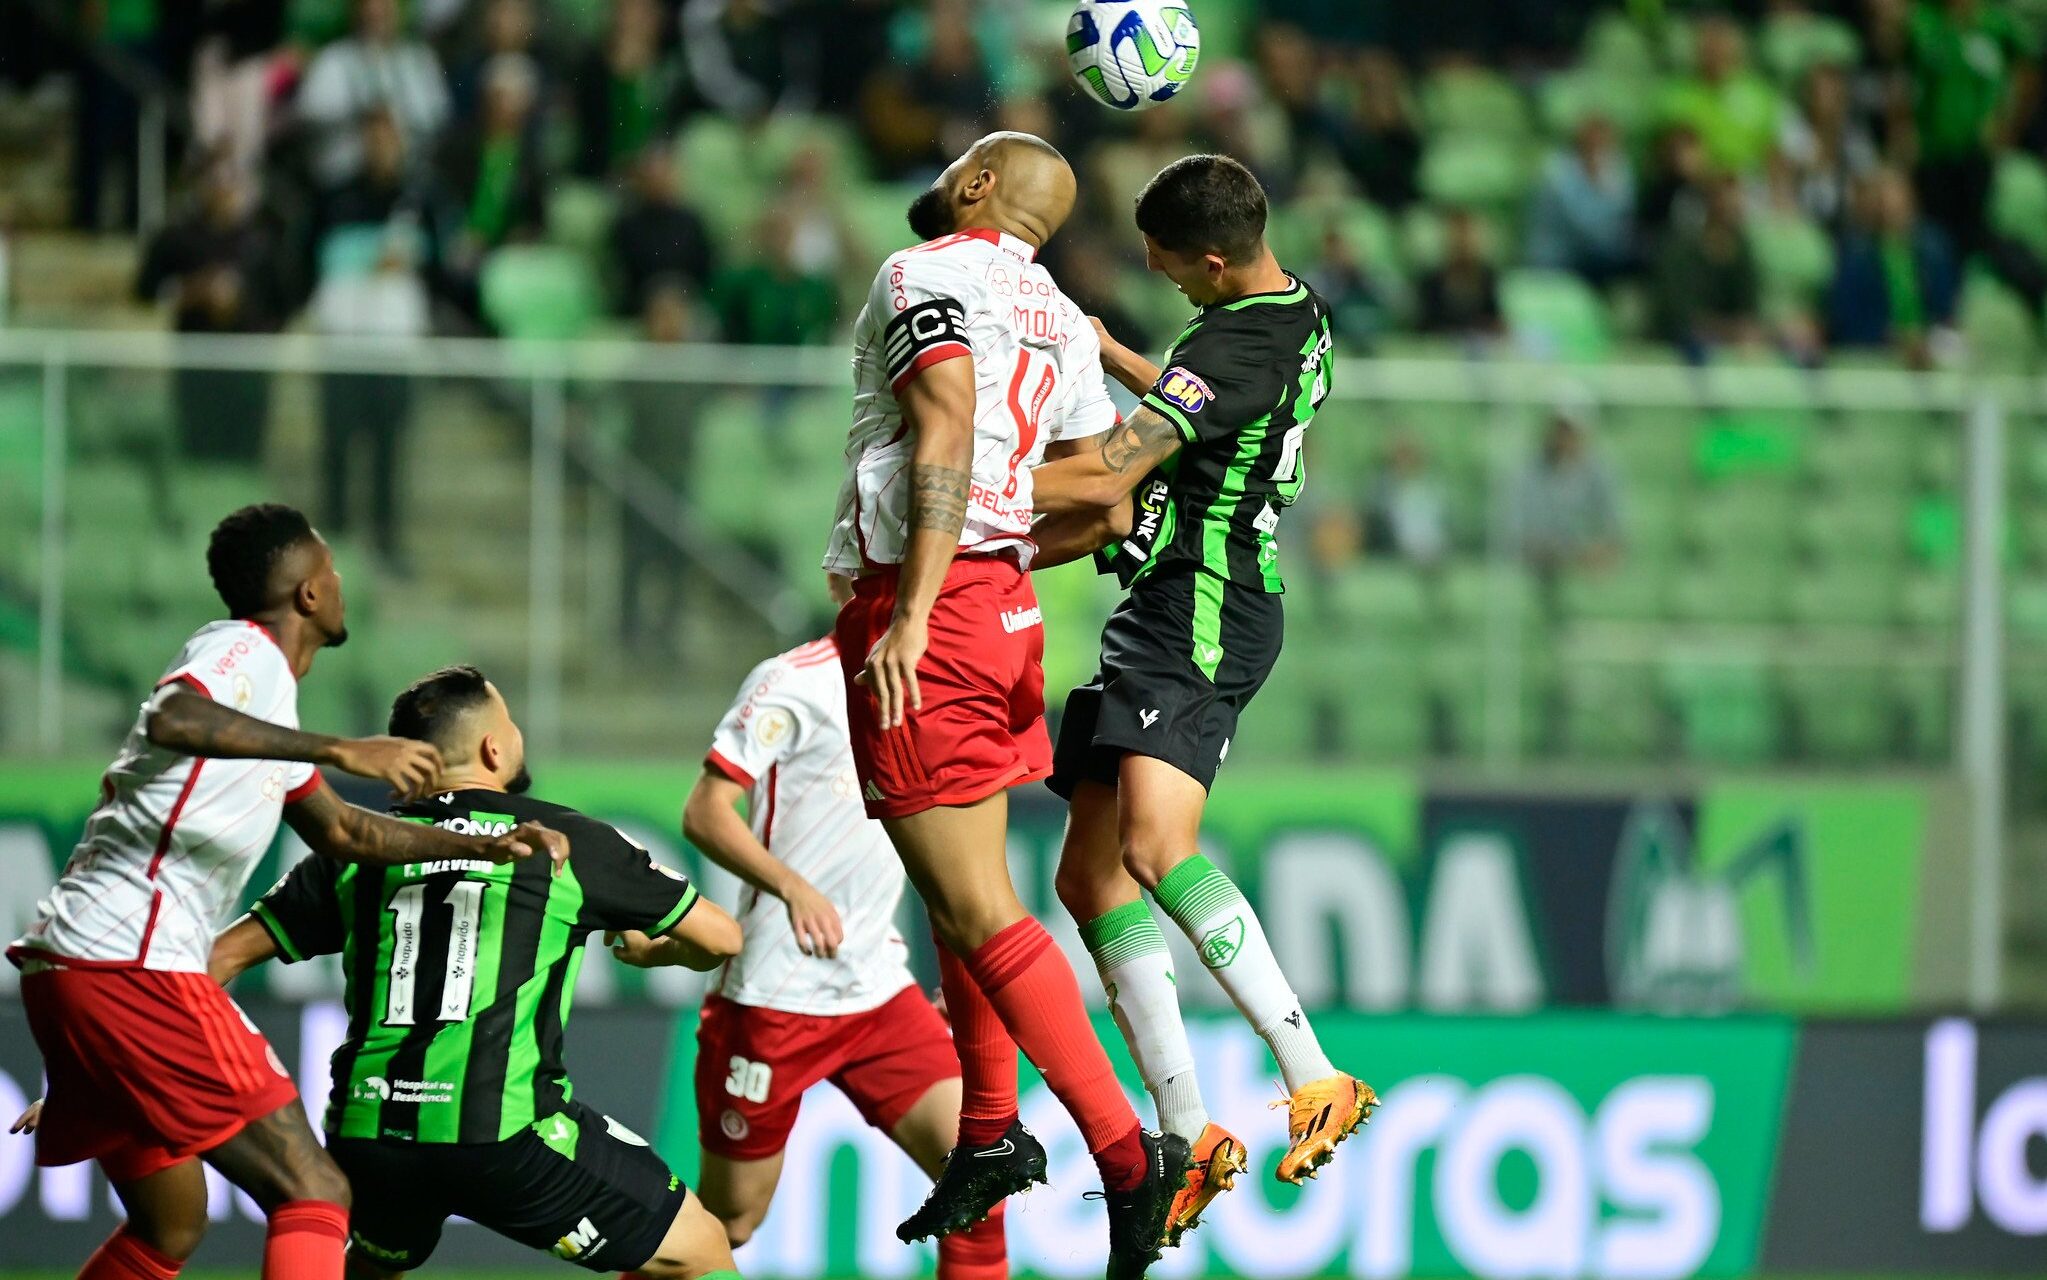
(978, 1253)
(306, 1241)
(1032, 988)
(987, 1056)
(127, 1257)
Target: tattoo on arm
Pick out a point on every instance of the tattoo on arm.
(196, 725)
(938, 497)
(1139, 443)
(350, 833)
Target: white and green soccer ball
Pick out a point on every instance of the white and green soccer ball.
(1131, 55)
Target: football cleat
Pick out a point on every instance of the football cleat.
(1321, 1114)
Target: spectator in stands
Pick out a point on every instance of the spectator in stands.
(504, 27)
(750, 57)
(1564, 511)
(1974, 83)
(375, 67)
(231, 71)
(1407, 511)
(222, 268)
(1583, 216)
(1735, 111)
(1677, 170)
(390, 194)
(1461, 294)
(496, 164)
(657, 239)
(1706, 291)
(106, 119)
(364, 416)
(628, 91)
(776, 299)
(1361, 300)
(1896, 277)
(920, 113)
(1380, 143)
(661, 438)
(1827, 147)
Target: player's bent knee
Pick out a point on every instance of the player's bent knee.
(179, 1240)
(694, 1246)
(1148, 860)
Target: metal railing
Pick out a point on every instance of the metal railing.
(543, 406)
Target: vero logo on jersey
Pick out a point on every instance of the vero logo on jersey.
(1181, 387)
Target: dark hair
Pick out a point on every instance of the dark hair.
(1204, 204)
(244, 552)
(432, 705)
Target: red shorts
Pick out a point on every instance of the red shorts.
(754, 1066)
(982, 726)
(146, 1068)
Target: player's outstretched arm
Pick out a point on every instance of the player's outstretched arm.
(711, 822)
(1104, 476)
(239, 948)
(1137, 374)
(189, 723)
(703, 939)
(938, 408)
(349, 833)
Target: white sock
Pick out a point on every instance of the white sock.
(1137, 972)
(1226, 933)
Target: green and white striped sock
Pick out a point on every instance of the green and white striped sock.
(1137, 972)
(1226, 934)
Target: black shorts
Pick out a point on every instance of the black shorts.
(1181, 657)
(576, 1184)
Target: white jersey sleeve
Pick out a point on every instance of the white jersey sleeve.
(766, 726)
(920, 302)
(1088, 411)
(164, 857)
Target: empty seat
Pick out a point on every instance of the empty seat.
(1843, 715)
(539, 291)
(1725, 710)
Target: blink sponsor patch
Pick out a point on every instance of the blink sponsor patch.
(1184, 389)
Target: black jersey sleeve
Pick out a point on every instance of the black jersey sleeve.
(302, 912)
(1219, 379)
(623, 887)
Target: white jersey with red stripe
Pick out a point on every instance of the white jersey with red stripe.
(1037, 379)
(174, 839)
(785, 740)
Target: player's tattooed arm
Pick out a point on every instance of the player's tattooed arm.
(332, 827)
(1105, 476)
(190, 723)
(938, 498)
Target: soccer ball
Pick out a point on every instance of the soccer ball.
(1132, 55)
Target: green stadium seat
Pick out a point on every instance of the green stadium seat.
(1794, 259)
(729, 437)
(875, 215)
(1795, 41)
(1937, 531)
(719, 174)
(2002, 335)
(1841, 713)
(1735, 590)
(1752, 443)
(1475, 170)
(1652, 446)
(579, 217)
(1725, 710)
(1297, 230)
(1473, 594)
(1924, 697)
(1930, 601)
(1609, 711)
(1853, 527)
(539, 292)
(1653, 523)
(2018, 199)
(1847, 596)
(2025, 607)
(1382, 712)
(1470, 100)
(1555, 314)
(1461, 689)
(1570, 96)
(1637, 591)
(1616, 43)
(1863, 453)
(1743, 521)
(1380, 598)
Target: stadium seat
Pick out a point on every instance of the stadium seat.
(579, 217)
(1382, 709)
(1570, 96)
(1725, 710)
(1609, 711)
(539, 292)
(1554, 314)
(1743, 521)
(1637, 591)
(1924, 696)
(2002, 335)
(1615, 42)
(1930, 602)
(1470, 100)
(1475, 170)
(2018, 199)
(1861, 595)
(1382, 598)
(1853, 526)
(1794, 259)
(875, 214)
(1795, 41)
(1862, 453)
(1752, 443)
(1841, 713)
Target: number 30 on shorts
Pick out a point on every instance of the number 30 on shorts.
(749, 1080)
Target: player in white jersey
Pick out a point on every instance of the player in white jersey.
(820, 990)
(150, 1066)
(966, 355)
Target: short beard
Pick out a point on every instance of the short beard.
(336, 640)
(521, 782)
(930, 215)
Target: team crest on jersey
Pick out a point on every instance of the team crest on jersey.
(772, 725)
(733, 1125)
(1181, 387)
(244, 692)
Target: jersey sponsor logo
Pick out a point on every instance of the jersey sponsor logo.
(479, 824)
(1183, 388)
(1022, 618)
(377, 1088)
(773, 725)
(273, 784)
(1148, 717)
(442, 866)
(586, 1238)
(372, 1088)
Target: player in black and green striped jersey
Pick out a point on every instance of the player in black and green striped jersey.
(1213, 454)
(449, 1094)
